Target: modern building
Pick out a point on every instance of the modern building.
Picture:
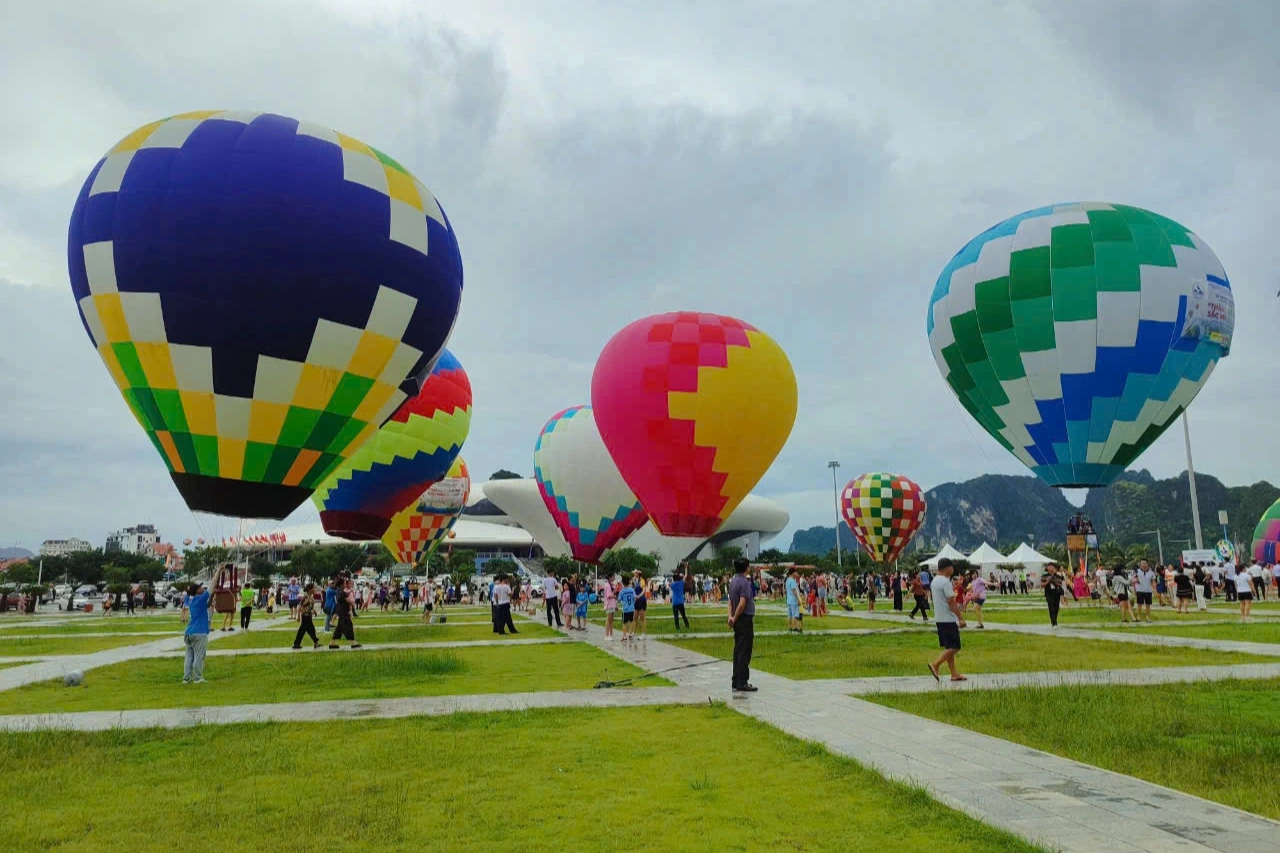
(507, 518)
(134, 540)
(62, 547)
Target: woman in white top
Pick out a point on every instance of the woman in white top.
(1120, 588)
(1244, 594)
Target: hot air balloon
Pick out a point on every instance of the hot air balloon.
(1266, 536)
(265, 292)
(186, 541)
(199, 541)
(414, 449)
(419, 528)
(884, 511)
(1075, 334)
(586, 496)
(693, 409)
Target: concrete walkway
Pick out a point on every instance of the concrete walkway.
(1045, 798)
(350, 709)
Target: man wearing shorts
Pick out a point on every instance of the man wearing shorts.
(948, 621)
(1143, 586)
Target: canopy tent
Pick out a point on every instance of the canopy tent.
(986, 556)
(1028, 556)
(948, 552)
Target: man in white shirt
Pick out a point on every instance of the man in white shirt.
(1144, 585)
(1255, 574)
(502, 607)
(551, 595)
(947, 619)
(1230, 569)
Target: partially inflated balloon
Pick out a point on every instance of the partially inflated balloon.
(884, 511)
(1076, 334)
(414, 449)
(590, 502)
(265, 292)
(693, 409)
(419, 528)
(1266, 536)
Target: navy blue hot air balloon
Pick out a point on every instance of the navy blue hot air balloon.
(266, 293)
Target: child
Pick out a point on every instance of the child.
(610, 605)
(627, 600)
(581, 612)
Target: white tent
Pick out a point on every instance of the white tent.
(1028, 556)
(986, 556)
(948, 552)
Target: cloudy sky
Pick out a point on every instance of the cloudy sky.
(807, 166)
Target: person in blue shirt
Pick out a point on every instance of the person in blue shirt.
(581, 611)
(677, 596)
(330, 604)
(794, 619)
(641, 628)
(627, 603)
(196, 636)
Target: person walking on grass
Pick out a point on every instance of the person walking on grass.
(677, 596)
(742, 613)
(1184, 590)
(344, 601)
(795, 621)
(918, 592)
(1053, 589)
(948, 620)
(1244, 594)
(1120, 586)
(978, 595)
(246, 606)
(306, 618)
(196, 637)
(330, 604)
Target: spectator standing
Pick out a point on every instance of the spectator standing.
(742, 612)
(677, 596)
(502, 607)
(196, 637)
(246, 606)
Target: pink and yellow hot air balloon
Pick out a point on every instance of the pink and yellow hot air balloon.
(419, 528)
(693, 409)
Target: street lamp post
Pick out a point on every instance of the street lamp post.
(835, 494)
(1159, 544)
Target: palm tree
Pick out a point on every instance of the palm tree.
(1137, 552)
(1111, 553)
(1055, 551)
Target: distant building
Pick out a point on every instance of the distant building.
(169, 555)
(5, 564)
(62, 547)
(134, 540)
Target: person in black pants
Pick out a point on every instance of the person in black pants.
(342, 609)
(1053, 591)
(742, 611)
(677, 597)
(306, 618)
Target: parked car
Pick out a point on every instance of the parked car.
(77, 602)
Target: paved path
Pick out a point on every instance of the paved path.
(1052, 800)
(348, 709)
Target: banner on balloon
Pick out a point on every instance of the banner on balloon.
(1211, 314)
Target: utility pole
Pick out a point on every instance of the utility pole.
(1191, 478)
(1159, 543)
(835, 494)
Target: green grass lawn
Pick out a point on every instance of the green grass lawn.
(466, 782)
(379, 632)
(1086, 614)
(1219, 740)
(1250, 632)
(99, 625)
(664, 624)
(69, 645)
(313, 675)
(907, 653)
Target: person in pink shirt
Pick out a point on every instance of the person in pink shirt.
(978, 595)
(610, 607)
(1079, 587)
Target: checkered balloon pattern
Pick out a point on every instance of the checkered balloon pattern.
(589, 501)
(1076, 334)
(265, 292)
(1266, 536)
(412, 450)
(693, 409)
(417, 530)
(884, 511)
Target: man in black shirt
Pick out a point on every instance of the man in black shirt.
(742, 611)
